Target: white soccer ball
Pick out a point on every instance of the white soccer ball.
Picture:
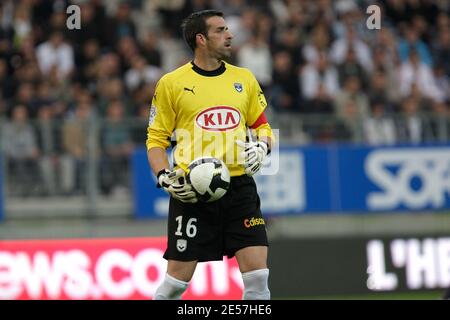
(209, 177)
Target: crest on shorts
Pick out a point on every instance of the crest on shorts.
(181, 245)
(238, 86)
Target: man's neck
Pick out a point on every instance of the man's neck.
(206, 63)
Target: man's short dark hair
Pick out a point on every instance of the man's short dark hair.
(195, 23)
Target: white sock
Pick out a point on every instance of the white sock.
(256, 285)
(170, 289)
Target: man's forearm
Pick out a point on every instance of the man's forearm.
(157, 158)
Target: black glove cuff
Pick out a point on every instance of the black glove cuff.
(157, 177)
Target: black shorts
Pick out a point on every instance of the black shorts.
(208, 231)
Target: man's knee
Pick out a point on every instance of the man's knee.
(176, 281)
(170, 289)
(256, 285)
(252, 258)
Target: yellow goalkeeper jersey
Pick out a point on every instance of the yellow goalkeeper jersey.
(205, 112)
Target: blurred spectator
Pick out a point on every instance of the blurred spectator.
(25, 96)
(290, 41)
(318, 128)
(7, 83)
(265, 27)
(340, 47)
(245, 23)
(88, 62)
(128, 50)
(379, 128)
(319, 75)
(173, 51)
(22, 24)
(111, 90)
(317, 44)
(55, 55)
(256, 56)
(171, 13)
(139, 128)
(121, 25)
(321, 103)
(440, 121)
(285, 93)
(92, 27)
(108, 66)
(230, 7)
(352, 101)
(47, 133)
(411, 42)
(349, 126)
(320, 12)
(442, 82)
(143, 96)
(411, 127)
(385, 49)
(141, 73)
(75, 131)
(150, 49)
(396, 11)
(117, 145)
(385, 64)
(350, 67)
(379, 91)
(416, 72)
(442, 50)
(21, 152)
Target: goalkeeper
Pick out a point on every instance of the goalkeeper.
(219, 101)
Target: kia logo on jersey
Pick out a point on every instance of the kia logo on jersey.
(221, 118)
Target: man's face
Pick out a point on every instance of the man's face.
(218, 42)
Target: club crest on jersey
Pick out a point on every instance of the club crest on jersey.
(238, 86)
(220, 118)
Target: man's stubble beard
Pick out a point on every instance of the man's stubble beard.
(223, 55)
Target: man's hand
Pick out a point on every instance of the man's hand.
(175, 183)
(254, 154)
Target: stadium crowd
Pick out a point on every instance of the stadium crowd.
(310, 57)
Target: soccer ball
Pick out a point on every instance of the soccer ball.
(209, 178)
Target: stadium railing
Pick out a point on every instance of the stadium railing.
(63, 181)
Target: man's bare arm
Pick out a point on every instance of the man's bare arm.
(157, 158)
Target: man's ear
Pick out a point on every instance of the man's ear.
(201, 38)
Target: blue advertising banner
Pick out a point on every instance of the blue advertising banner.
(332, 179)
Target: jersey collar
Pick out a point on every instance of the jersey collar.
(211, 73)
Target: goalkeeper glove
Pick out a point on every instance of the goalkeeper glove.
(254, 154)
(176, 185)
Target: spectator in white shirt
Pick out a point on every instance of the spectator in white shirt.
(379, 129)
(340, 47)
(141, 73)
(55, 55)
(255, 55)
(318, 42)
(411, 127)
(319, 73)
(416, 72)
